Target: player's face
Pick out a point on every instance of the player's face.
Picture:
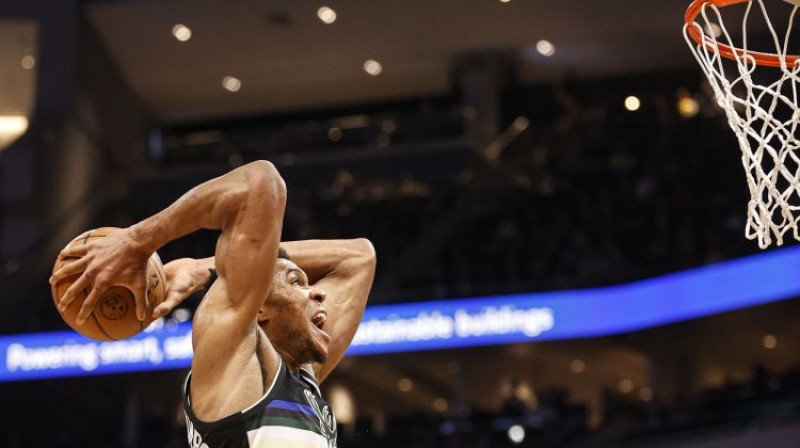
(294, 316)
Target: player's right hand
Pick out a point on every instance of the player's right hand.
(117, 259)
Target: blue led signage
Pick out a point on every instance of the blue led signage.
(717, 288)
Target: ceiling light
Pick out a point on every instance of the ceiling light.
(405, 385)
(326, 14)
(181, 32)
(770, 342)
(545, 48)
(626, 386)
(373, 67)
(516, 434)
(231, 84)
(577, 366)
(28, 62)
(632, 103)
(440, 404)
(11, 128)
(712, 29)
(505, 1)
(646, 394)
(687, 106)
(334, 134)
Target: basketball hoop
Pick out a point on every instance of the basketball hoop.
(763, 113)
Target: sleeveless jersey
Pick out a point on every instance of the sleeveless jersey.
(291, 414)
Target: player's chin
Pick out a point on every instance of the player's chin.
(319, 351)
(319, 346)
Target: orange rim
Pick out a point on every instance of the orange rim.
(767, 59)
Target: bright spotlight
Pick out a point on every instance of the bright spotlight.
(373, 67)
(326, 14)
(545, 48)
(11, 128)
(181, 32)
(688, 107)
(516, 434)
(231, 84)
(632, 103)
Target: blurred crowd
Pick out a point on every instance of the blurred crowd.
(552, 420)
(589, 194)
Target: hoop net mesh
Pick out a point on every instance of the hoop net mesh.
(763, 113)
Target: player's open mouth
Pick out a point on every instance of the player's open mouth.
(319, 319)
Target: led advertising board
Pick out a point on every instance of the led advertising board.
(594, 312)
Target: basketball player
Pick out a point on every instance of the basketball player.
(271, 327)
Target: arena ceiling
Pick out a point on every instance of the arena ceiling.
(288, 59)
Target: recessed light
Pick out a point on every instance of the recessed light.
(373, 67)
(405, 385)
(28, 62)
(632, 103)
(326, 14)
(545, 48)
(770, 342)
(516, 434)
(231, 83)
(687, 106)
(13, 124)
(181, 32)
(334, 134)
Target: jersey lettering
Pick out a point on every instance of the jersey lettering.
(327, 421)
(195, 439)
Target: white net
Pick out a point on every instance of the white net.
(761, 106)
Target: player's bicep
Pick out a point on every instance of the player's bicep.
(247, 249)
(345, 303)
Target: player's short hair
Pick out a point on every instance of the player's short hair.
(283, 254)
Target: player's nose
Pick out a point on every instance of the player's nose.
(317, 295)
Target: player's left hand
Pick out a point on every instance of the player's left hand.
(185, 276)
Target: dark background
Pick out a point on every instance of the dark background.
(475, 164)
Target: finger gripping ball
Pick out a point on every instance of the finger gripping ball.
(114, 315)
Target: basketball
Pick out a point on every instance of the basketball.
(114, 316)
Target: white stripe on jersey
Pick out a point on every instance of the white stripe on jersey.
(285, 437)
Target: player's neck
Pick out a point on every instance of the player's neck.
(291, 363)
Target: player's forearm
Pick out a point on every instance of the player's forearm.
(211, 205)
(323, 258)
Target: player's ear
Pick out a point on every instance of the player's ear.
(263, 311)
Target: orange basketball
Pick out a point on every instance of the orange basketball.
(114, 315)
